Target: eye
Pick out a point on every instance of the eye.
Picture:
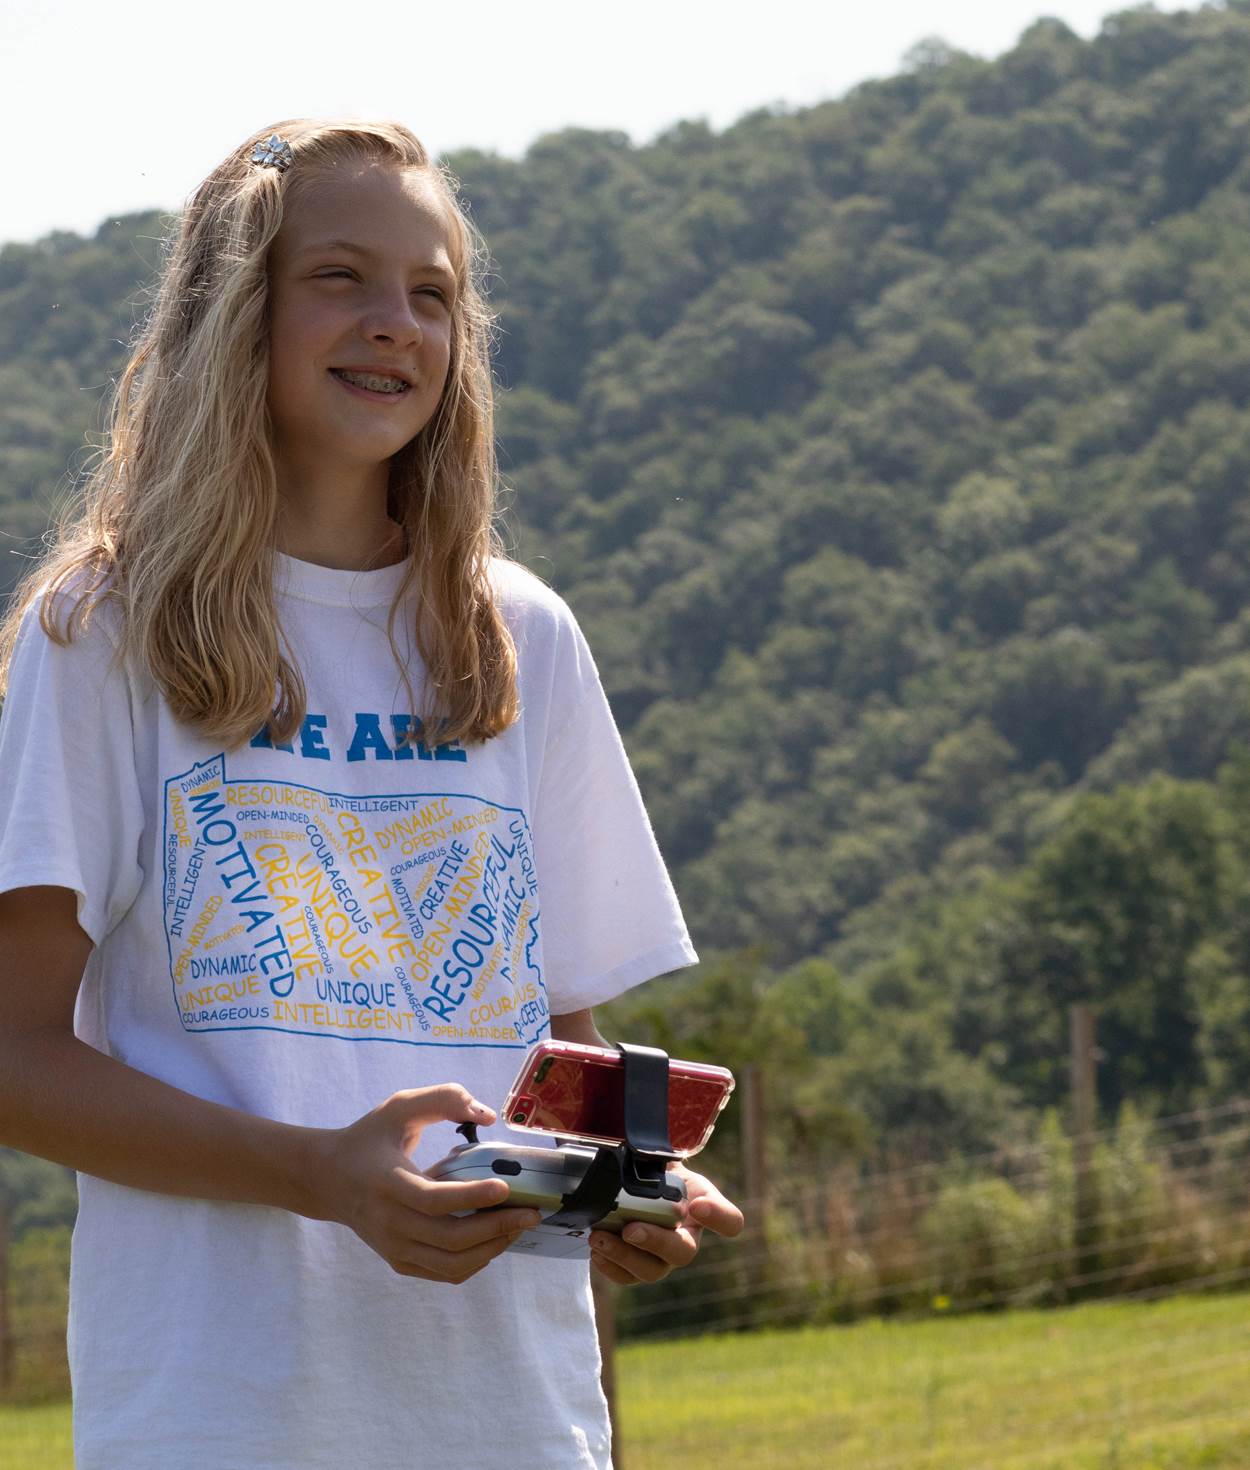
(331, 275)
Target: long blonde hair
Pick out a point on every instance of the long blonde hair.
(178, 522)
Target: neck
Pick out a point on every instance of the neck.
(340, 524)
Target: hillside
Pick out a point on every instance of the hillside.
(893, 454)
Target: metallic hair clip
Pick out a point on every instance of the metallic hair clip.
(275, 153)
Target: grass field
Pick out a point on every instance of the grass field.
(36, 1439)
(1156, 1386)
(1159, 1386)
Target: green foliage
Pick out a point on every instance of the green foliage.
(38, 1195)
(978, 1232)
(38, 1304)
(893, 454)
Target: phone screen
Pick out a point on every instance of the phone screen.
(584, 1097)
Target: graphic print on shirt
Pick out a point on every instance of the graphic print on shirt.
(405, 918)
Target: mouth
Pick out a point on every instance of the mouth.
(381, 387)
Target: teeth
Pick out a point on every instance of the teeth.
(371, 380)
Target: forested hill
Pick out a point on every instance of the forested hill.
(893, 453)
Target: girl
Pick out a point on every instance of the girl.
(269, 926)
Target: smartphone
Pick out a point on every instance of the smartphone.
(578, 1091)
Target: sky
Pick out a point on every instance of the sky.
(111, 108)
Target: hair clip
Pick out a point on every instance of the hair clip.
(275, 153)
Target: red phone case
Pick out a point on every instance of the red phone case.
(578, 1091)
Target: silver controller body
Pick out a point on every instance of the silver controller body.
(542, 1177)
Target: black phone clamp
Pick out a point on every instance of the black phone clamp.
(638, 1165)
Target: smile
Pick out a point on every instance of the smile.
(355, 384)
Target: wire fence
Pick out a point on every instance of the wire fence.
(1001, 1309)
(1158, 1218)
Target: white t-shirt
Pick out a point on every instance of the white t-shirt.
(300, 932)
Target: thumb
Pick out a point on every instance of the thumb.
(410, 1111)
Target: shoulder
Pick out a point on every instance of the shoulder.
(551, 648)
(90, 602)
(73, 619)
(531, 607)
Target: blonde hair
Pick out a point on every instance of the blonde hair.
(178, 523)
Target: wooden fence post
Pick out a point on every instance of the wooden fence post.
(1084, 1107)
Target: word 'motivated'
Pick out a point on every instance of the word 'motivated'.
(409, 918)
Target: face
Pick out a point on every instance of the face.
(360, 281)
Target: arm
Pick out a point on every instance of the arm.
(646, 1252)
(63, 1100)
(577, 1026)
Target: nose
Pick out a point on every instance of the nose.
(390, 317)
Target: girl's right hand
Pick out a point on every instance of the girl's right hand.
(367, 1181)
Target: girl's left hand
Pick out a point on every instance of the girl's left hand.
(650, 1252)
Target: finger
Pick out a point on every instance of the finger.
(637, 1265)
(678, 1247)
(448, 1102)
(717, 1213)
(446, 1196)
(461, 1233)
(642, 1264)
(611, 1270)
(455, 1267)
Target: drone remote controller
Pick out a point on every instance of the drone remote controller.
(577, 1186)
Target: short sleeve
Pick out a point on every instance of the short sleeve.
(609, 911)
(71, 812)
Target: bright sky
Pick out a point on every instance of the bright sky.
(114, 107)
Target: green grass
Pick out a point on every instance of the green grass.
(38, 1438)
(1159, 1386)
(1113, 1386)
